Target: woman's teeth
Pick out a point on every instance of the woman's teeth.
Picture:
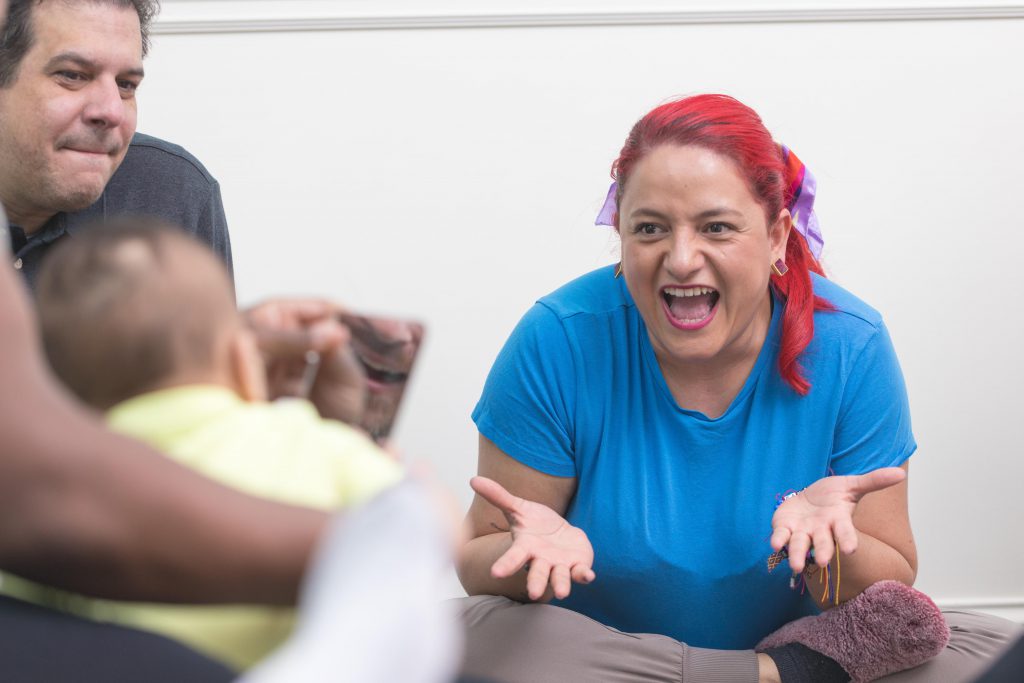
(688, 291)
(690, 304)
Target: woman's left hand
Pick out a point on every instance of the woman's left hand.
(821, 516)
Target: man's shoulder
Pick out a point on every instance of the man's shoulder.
(157, 178)
(161, 179)
(148, 155)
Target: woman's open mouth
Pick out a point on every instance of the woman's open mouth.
(690, 308)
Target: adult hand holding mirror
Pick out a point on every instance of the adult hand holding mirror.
(352, 367)
(307, 354)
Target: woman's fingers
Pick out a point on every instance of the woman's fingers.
(514, 559)
(561, 581)
(495, 494)
(824, 546)
(876, 480)
(582, 573)
(846, 536)
(537, 578)
(780, 537)
(799, 545)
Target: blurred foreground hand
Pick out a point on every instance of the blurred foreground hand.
(307, 354)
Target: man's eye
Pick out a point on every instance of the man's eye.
(128, 87)
(73, 76)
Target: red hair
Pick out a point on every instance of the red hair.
(730, 128)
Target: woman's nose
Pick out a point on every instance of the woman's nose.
(685, 255)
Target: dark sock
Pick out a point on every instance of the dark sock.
(800, 664)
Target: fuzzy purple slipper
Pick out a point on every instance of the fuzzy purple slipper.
(887, 628)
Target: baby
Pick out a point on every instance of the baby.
(140, 321)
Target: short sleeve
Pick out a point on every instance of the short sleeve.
(212, 227)
(527, 405)
(874, 427)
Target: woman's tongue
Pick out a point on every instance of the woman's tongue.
(690, 308)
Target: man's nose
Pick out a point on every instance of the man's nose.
(105, 107)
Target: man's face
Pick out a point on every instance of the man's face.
(68, 116)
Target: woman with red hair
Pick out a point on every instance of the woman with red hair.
(645, 427)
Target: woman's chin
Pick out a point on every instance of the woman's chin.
(698, 349)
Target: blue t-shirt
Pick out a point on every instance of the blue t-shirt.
(678, 506)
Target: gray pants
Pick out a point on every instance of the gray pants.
(509, 642)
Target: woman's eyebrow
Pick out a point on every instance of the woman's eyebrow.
(644, 211)
(706, 213)
(718, 211)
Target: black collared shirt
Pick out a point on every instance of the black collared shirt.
(156, 178)
(27, 250)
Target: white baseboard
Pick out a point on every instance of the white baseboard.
(251, 16)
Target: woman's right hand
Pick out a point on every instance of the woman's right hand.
(557, 552)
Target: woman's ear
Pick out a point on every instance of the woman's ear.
(247, 367)
(778, 235)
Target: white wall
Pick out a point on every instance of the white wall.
(452, 174)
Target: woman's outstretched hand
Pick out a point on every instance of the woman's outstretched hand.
(557, 552)
(822, 516)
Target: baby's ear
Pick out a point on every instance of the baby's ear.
(247, 367)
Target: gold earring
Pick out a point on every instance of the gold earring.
(618, 269)
(780, 268)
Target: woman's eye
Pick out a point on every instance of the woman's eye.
(717, 228)
(647, 229)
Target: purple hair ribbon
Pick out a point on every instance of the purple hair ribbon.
(607, 214)
(802, 207)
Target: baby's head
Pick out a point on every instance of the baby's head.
(134, 305)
